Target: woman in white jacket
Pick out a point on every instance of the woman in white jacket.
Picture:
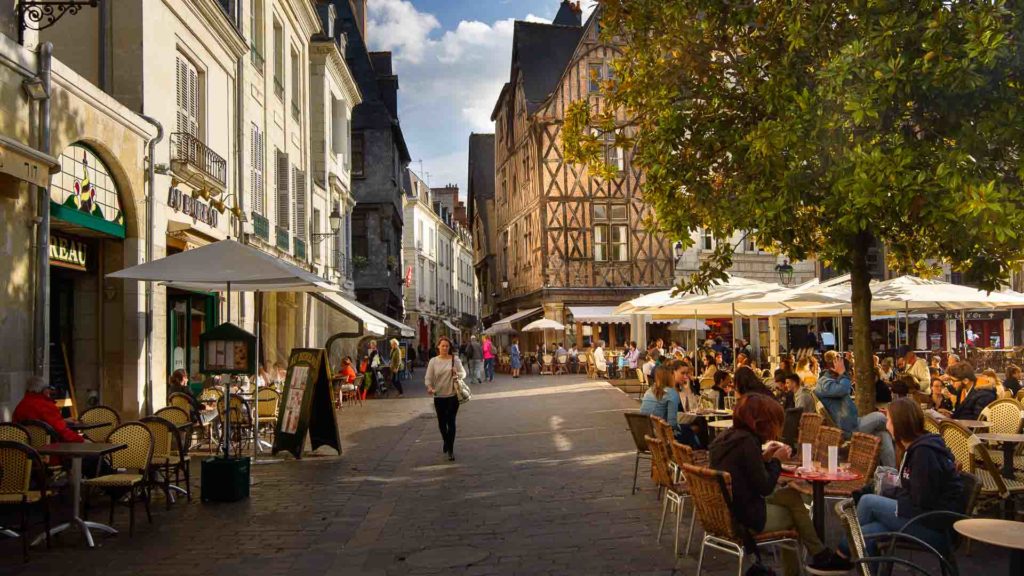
(442, 372)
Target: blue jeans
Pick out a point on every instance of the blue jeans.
(489, 369)
(874, 424)
(878, 514)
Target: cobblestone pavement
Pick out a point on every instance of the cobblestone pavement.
(540, 486)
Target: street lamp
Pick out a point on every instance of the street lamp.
(785, 272)
(334, 220)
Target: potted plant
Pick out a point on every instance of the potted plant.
(359, 262)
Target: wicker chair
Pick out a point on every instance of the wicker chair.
(14, 433)
(823, 412)
(675, 491)
(827, 436)
(547, 364)
(266, 417)
(40, 434)
(973, 456)
(639, 426)
(847, 512)
(709, 500)
(583, 364)
(931, 425)
(100, 415)
(19, 462)
(183, 445)
(132, 465)
(240, 420)
(809, 425)
(562, 364)
(663, 431)
(683, 454)
(1003, 416)
(863, 459)
(180, 400)
(167, 454)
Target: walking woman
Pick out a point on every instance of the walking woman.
(440, 380)
(515, 358)
(488, 359)
(395, 367)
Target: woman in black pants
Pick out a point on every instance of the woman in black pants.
(442, 372)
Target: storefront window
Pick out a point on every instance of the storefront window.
(189, 315)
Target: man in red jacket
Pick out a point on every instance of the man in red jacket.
(37, 405)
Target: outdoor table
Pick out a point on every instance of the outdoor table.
(76, 451)
(1009, 442)
(720, 424)
(972, 424)
(1002, 533)
(818, 478)
(79, 426)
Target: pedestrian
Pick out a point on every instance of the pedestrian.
(442, 372)
(374, 363)
(515, 360)
(475, 356)
(488, 350)
(410, 365)
(395, 367)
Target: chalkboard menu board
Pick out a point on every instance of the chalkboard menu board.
(306, 405)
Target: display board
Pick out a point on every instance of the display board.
(227, 349)
(306, 405)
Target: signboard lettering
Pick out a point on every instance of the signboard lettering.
(199, 211)
(307, 404)
(68, 252)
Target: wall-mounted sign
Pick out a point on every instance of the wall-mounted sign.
(68, 252)
(199, 211)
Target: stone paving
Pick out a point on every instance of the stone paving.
(540, 486)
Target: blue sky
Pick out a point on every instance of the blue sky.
(452, 57)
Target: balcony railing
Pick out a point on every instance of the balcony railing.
(283, 239)
(300, 248)
(192, 154)
(261, 227)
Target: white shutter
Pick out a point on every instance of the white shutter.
(193, 100)
(300, 202)
(181, 90)
(257, 163)
(283, 193)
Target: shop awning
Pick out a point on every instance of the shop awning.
(372, 326)
(505, 324)
(395, 328)
(26, 163)
(451, 326)
(597, 315)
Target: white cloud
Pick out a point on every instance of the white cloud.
(448, 81)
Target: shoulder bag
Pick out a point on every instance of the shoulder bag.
(461, 388)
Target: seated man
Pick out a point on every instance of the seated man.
(834, 389)
(38, 405)
(972, 394)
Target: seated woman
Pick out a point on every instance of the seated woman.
(758, 504)
(928, 480)
(721, 388)
(346, 377)
(662, 400)
(938, 400)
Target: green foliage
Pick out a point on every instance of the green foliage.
(822, 124)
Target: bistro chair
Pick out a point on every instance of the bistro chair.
(1003, 416)
(183, 401)
(931, 425)
(827, 436)
(1020, 395)
(582, 364)
(266, 417)
(706, 383)
(19, 462)
(240, 420)
(547, 364)
(179, 418)
(847, 512)
(12, 432)
(639, 426)
(810, 423)
(100, 415)
(663, 431)
(40, 434)
(791, 427)
(166, 453)
(973, 456)
(823, 412)
(863, 459)
(675, 491)
(711, 490)
(562, 364)
(131, 469)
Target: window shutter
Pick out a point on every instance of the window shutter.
(181, 85)
(283, 199)
(300, 202)
(193, 101)
(257, 163)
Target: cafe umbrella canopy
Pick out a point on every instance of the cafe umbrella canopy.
(544, 324)
(222, 267)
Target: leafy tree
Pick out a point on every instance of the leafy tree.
(827, 127)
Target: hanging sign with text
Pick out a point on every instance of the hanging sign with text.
(197, 209)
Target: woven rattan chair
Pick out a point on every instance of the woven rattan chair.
(827, 436)
(809, 425)
(675, 491)
(639, 427)
(132, 467)
(19, 462)
(663, 431)
(583, 364)
(178, 417)
(14, 433)
(683, 454)
(705, 486)
(931, 425)
(180, 400)
(562, 364)
(166, 453)
(1020, 395)
(266, 417)
(973, 456)
(240, 420)
(847, 511)
(40, 434)
(863, 459)
(1003, 416)
(547, 365)
(100, 415)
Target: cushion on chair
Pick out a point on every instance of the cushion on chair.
(121, 479)
(33, 497)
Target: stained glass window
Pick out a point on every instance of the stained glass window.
(85, 193)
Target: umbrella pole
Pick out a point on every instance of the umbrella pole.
(256, 398)
(733, 336)
(963, 327)
(695, 341)
(227, 395)
(906, 323)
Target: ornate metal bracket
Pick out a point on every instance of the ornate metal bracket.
(41, 14)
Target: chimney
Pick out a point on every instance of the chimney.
(569, 14)
(359, 11)
(328, 15)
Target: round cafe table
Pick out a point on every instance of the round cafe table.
(818, 478)
(1009, 442)
(972, 424)
(1002, 533)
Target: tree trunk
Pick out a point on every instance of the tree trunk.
(860, 289)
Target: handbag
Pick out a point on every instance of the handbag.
(758, 568)
(462, 391)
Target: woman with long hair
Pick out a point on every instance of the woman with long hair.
(442, 372)
(758, 503)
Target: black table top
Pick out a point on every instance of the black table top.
(80, 449)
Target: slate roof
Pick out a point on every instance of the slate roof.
(481, 175)
(540, 52)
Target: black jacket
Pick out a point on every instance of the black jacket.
(975, 401)
(738, 452)
(1012, 384)
(928, 479)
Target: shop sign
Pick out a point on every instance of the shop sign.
(68, 252)
(189, 206)
(975, 315)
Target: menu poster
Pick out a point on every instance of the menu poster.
(308, 406)
(227, 349)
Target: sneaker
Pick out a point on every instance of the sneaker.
(828, 562)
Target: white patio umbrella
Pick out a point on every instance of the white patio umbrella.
(544, 324)
(221, 267)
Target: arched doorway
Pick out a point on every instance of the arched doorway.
(87, 235)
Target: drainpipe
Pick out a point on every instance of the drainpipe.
(239, 147)
(150, 231)
(41, 332)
